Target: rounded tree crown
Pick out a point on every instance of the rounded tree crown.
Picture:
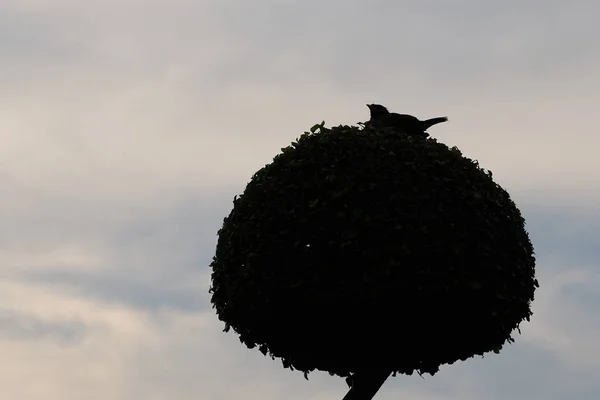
(361, 247)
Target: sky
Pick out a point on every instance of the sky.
(126, 128)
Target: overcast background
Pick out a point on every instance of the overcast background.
(127, 126)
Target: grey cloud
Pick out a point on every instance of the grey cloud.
(521, 370)
(31, 37)
(16, 325)
(464, 40)
(568, 235)
(289, 40)
(129, 125)
(147, 259)
(170, 229)
(144, 294)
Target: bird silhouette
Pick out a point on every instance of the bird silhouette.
(408, 124)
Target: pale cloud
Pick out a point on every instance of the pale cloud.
(20, 326)
(128, 126)
(565, 322)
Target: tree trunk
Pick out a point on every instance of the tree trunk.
(366, 384)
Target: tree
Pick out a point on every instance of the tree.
(364, 252)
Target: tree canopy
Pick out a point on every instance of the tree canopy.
(359, 247)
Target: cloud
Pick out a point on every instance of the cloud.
(20, 326)
(135, 292)
(128, 126)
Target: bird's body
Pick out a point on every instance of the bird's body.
(408, 124)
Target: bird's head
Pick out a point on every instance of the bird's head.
(377, 110)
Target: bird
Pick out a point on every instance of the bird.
(408, 124)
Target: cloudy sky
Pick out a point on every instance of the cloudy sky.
(127, 126)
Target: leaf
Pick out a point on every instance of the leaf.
(313, 203)
(497, 349)
(317, 127)
(263, 349)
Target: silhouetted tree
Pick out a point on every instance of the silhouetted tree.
(363, 252)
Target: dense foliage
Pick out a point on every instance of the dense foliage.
(360, 247)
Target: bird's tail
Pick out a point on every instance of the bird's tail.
(430, 122)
